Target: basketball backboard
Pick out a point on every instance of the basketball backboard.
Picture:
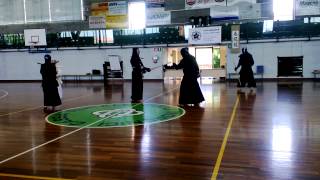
(35, 37)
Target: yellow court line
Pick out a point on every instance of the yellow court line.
(30, 177)
(224, 143)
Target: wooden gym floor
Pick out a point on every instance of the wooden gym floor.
(271, 134)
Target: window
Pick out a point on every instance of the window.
(186, 31)
(6, 9)
(152, 30)
(31, 11)
(62, 10)
(132, 32)
(314, 19)
(137, 15)
(267, 26)
(37, 11)
(204, 57)
(283, 10)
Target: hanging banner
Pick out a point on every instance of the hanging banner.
(99, 9)
(157, 16)
(97, 22)
(118, 8)
(307, 7)
(205, 35)
(154, 3)
(117, 15)
(117, 22)
(235, 38)
(224, 13)
(238, 2)
(199, 4)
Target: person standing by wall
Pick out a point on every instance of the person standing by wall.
(137, 74)
(246, 74)
(49, 84)
(190, 92)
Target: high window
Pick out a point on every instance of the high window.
(137, 15)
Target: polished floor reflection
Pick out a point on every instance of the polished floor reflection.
(275, 134)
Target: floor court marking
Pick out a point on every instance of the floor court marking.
(225, 140)
(34, 108)
(30, 177)
(72, 132)
(5, 94)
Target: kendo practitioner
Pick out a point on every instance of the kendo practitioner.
(138, 70)
(49, 84)
(190, 92)
(246, 74)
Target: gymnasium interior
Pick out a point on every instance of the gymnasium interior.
(271, 131)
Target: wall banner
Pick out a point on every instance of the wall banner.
(205, 35)
(99, 9)
(235, 38)
(115, 14)
(307, 7)
(224, 13)
(118, 8)
(157, 16)
(97, 22)
(155, 3)
(199, 4)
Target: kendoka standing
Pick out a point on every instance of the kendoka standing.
(137, 74)
(49, 84)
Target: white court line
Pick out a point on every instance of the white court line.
(34, 108)
(5, 94)
(72, 132)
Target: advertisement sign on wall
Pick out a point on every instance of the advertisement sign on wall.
(224, 13)
(99, 9)
(155, 3)
(228, 9)
(115, 14)
(97, 22)
(307, 7)
(157, 16)
(205, 35)
(199, 4)
(118, 8)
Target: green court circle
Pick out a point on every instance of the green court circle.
(115, 115)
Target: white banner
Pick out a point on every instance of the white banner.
(235, 38)
(118, 8)
(307, 7)
(97, 22)
(224, 12)
(199, 4)
(238, 2)
(205, 35)
(157, 16)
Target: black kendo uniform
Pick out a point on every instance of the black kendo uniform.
(246, 74)
(190, 92)
(49, 83)
(137, 74)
